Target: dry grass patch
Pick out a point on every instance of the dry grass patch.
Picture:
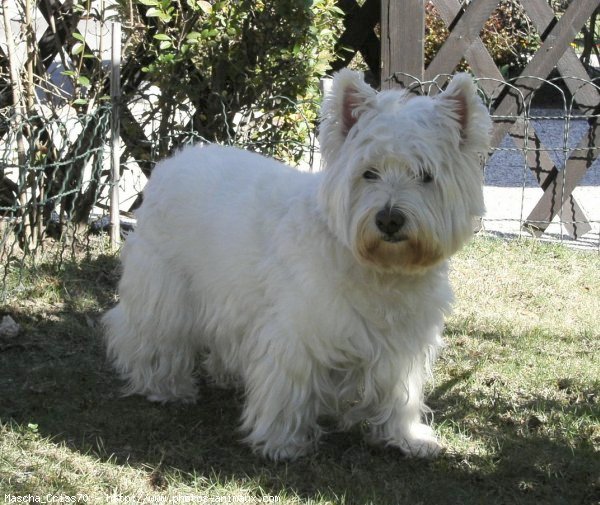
(515, 400)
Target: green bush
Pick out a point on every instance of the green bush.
(243, 71)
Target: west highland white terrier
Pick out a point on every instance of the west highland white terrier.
(323, 294)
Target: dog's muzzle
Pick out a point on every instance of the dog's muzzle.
(390, 222)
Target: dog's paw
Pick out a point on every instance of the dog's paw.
(419, 442)
(290, 452)
(188, 394)
(428, 448)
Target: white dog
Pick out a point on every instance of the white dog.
(324, 293)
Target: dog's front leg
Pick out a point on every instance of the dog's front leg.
(280, 411)
(399, 418)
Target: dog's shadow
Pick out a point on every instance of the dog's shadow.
(55, 375)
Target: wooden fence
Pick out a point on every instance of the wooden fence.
(397, 58)
(389, 35)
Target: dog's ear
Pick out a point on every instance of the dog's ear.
(343, 105)
(352, 93)
(461, 104)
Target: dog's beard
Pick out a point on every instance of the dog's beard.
(410, 252)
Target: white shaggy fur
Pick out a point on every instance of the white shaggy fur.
(324, 294)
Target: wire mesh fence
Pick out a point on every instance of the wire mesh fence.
(547, 163)
(55, 170)
(52, 184)
(542, 177)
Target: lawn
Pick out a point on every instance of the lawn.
(515, 395)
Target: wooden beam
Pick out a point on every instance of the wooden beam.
(542, 166)
(554, 46)
(402, 35)
(461, 38)
(561, 184)
(476, 54)
(359, 34)
(585, 93)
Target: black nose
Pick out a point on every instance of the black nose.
(390, 220)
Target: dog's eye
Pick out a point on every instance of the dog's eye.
(371, 175)
(426, 178)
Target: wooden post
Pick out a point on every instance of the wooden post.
(18, 122)
(115, 147)
(402, 35)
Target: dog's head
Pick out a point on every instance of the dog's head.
(403, 179)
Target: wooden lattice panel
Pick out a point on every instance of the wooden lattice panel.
(465, 22)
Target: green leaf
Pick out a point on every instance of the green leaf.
(205, 6)
(77, 48)
(148, 2)
(194, 36)
(83, 80)
(165, 44)
(206, 33)
(153, 12)
(162, 36)
(80, 101)
(78, 36)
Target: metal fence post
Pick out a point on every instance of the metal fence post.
(115, 140)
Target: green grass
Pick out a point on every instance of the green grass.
(516, 400)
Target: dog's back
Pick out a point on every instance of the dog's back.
(197, 266)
